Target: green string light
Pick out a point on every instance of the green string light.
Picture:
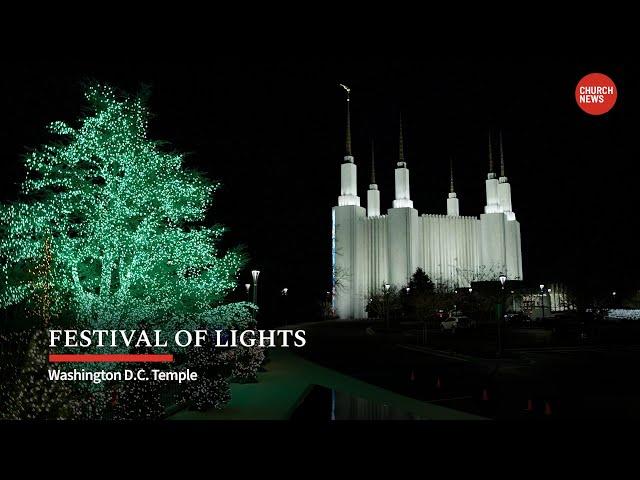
(124, 224)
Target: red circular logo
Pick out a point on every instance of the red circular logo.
(596, 94)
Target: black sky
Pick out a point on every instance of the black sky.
(272, 130)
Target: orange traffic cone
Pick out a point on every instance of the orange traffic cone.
(529, 405)
(413, 376)
(547, 408)
(485, 395)
(438, 384)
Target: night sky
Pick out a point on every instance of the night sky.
(272, 131)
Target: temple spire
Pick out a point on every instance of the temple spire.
(373, 194)
(373, 165)
(348, 139)
(348, 169)
(348, 132)
(453, 206)
(501, 157)
(401, 173)
(490, 155)
(451, 189)
(401, 148)
(504, 189)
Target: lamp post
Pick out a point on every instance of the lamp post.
(500, 309)
(285, 292)
(247, 286)
(407, 290)
(255, 274)
(329, 305)
(386, 303)
(613, 295)
(542, 299)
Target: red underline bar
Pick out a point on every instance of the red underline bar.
(110, 357)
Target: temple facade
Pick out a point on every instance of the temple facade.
(371, 249)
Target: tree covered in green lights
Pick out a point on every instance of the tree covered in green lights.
(29, 394)
(123, 220)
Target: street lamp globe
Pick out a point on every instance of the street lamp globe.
(387, 286)
(503, 278)
(542, 286)
(284, 291)
(255, 274)
(247, 286)
(470, 289)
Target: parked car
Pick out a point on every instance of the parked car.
(433, 319)
(517, 319)
(457, 321)
(466, 322)
(449, 325)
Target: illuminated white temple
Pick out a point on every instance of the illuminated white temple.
(370, 249)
